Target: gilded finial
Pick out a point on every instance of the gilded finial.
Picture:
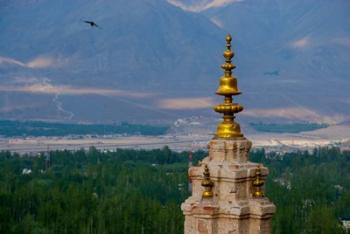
(228, 54)
(258, 183)
(228, 88)
(207, 183)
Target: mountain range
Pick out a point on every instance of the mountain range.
(156, 60)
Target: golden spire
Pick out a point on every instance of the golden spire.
(258, 183)
(207, 184)
(228, 88)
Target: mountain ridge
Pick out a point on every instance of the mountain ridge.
(154, 58)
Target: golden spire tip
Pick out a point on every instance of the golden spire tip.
(228, 88)
(258, 183)
(228, 39)
(207, 183)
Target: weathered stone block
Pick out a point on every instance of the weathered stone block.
(232, 209)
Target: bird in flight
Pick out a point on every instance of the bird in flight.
(91, 23)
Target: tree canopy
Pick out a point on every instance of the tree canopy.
(140, 191)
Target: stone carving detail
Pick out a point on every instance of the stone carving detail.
(232, 209)
(202, 227)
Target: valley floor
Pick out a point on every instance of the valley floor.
(180, 141)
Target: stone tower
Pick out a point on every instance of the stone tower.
(227, 189)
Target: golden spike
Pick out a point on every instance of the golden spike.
(207, 184)
(258, 183)
(228, 88)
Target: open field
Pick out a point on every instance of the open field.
(178, 141)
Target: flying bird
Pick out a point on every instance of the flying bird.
(92, 23)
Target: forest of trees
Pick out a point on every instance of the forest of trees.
(287, 127)
(139, 191)
(16, 128)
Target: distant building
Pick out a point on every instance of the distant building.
(26, 171)
(345, 220)
(345, 146)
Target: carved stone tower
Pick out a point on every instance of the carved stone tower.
(227, 189)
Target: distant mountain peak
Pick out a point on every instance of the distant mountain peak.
(54, 66)
(202, 5)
